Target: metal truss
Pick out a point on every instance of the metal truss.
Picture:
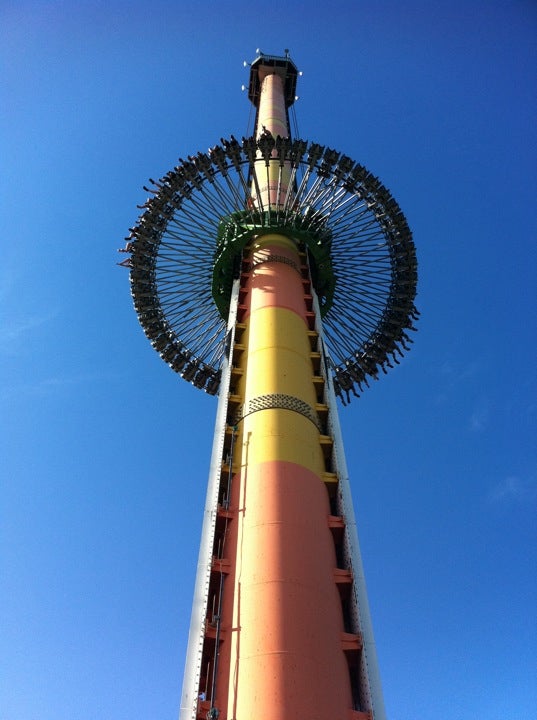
(186, 247)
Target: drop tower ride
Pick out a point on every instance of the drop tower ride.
(278, 274)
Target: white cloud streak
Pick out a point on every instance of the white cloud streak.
(514, 489)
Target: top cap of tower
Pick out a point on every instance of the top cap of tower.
(267, 64)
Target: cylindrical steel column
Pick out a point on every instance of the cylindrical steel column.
(272, 118)
(282, 657)
(286, 659)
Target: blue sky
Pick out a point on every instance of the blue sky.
(105, 451)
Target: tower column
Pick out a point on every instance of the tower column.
(285, 624)
(272, 113)
(272, 118)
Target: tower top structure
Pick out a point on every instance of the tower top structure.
(264, 65)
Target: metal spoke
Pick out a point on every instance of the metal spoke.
(328, 203)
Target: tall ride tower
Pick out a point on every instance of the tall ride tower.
(278, 274)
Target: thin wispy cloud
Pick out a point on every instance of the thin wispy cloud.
(458, 372)
(16, 332)
(479, 419)
(20, 316)
(51, 385)
(514, 489)
(452, 376)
